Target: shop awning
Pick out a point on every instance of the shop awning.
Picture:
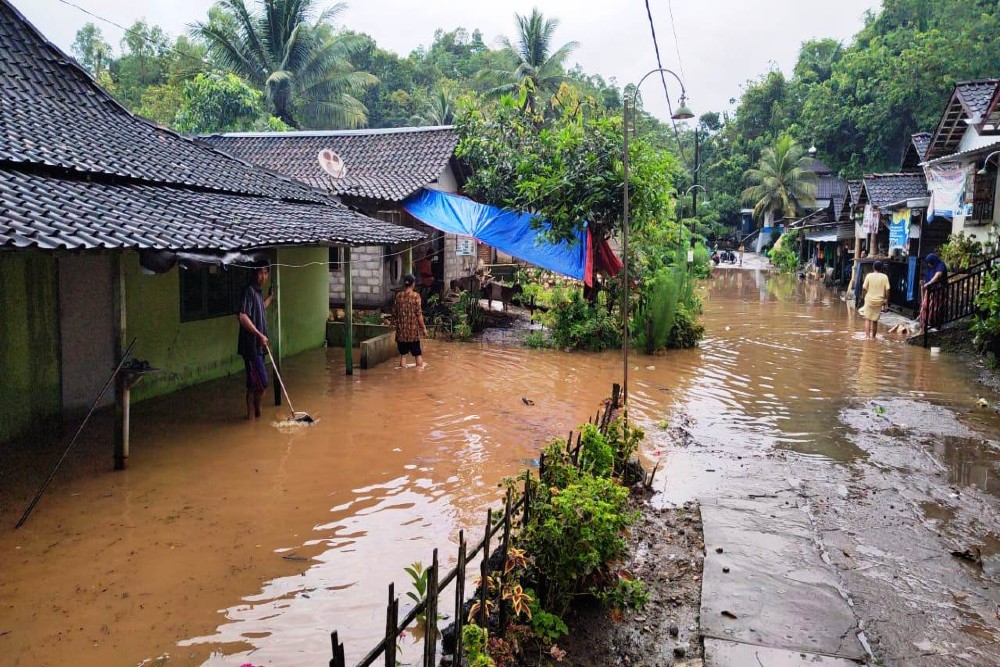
(826, 234)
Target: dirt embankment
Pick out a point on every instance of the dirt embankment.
(667, 555)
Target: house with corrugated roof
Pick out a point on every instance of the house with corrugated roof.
(380, 169)
(112, 229)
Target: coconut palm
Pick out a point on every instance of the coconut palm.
(439, 109)
(781, 183)
(290, 52)
(533, 62)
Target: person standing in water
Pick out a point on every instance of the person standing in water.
(742, 248)
(408, 315)
(876, 291)
(252, 343)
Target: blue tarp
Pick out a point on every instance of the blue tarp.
(507, 231)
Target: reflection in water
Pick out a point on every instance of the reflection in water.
(293, 534)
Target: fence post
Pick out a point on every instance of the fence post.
(484, 571)
(459, 597)
(391, 621)
(616, 392)
(430, 614)
(541, 466)
(504, 545)
(338, 651)
(527, 498)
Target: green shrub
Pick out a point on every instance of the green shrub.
(785, 257)
(575, 536)
(581, 325)
(702, 261)
(654, 318)
(986, 322)
(961, 251)
(537, 340)
(687, 331)
(559, 471)
(547, 626)
(624, 441)
(596, 456)
(474, 644)
(626, 593)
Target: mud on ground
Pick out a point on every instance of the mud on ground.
(667, 554)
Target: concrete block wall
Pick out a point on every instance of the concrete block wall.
(368, 280)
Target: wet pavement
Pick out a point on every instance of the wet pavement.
(227, 542)
(881, 454)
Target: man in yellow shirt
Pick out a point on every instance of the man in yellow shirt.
(876, 291)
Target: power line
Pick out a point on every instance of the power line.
(677, 42)
(129, 31)
(663, 78)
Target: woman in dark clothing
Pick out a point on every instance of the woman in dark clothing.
(937, 274)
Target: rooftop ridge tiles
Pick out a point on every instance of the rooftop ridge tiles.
(333, 133)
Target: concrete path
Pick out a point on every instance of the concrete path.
(751, 260)
(768, 596)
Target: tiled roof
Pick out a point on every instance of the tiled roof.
(967, 108)
(51, 213)
(884, 189)
(389, 164)
(915, 151)
(59, 131)
(817, 166)
(829, 187)
(920, 141)
(977, 94)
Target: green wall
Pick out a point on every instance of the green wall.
(186, 353)
(29, 340)
(305, 298)
(192, 352)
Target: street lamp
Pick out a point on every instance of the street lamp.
(681, 113)
(982, 172)
(694, 198)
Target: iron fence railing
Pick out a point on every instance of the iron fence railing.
(955, 299)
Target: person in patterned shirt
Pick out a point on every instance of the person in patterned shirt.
(409, 318)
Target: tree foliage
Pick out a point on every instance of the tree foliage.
(781, 184)
(291, 52)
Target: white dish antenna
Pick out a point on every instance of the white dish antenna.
(332, 163)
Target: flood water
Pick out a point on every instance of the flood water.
(227, 542)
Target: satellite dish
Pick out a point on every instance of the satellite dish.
(332, 163)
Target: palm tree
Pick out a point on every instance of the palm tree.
(533, 62)
(302, 66)
(781, 183)
(439, 109)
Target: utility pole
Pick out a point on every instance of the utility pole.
(694, 191)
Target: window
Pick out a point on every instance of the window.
(983, 195)
(335, 260)
(211, 291)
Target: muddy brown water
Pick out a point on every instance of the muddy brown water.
(226, 542)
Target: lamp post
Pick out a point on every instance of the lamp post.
(694, 198)
(682, 113)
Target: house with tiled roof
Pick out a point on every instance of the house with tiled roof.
(381, 168)
(99, 210)
(961, 161)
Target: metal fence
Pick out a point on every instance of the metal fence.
(515, 511)
(955, 299)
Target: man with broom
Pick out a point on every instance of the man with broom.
(252, 343)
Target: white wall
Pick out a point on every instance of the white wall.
(972, 139)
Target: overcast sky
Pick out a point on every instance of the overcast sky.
(722, 43)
